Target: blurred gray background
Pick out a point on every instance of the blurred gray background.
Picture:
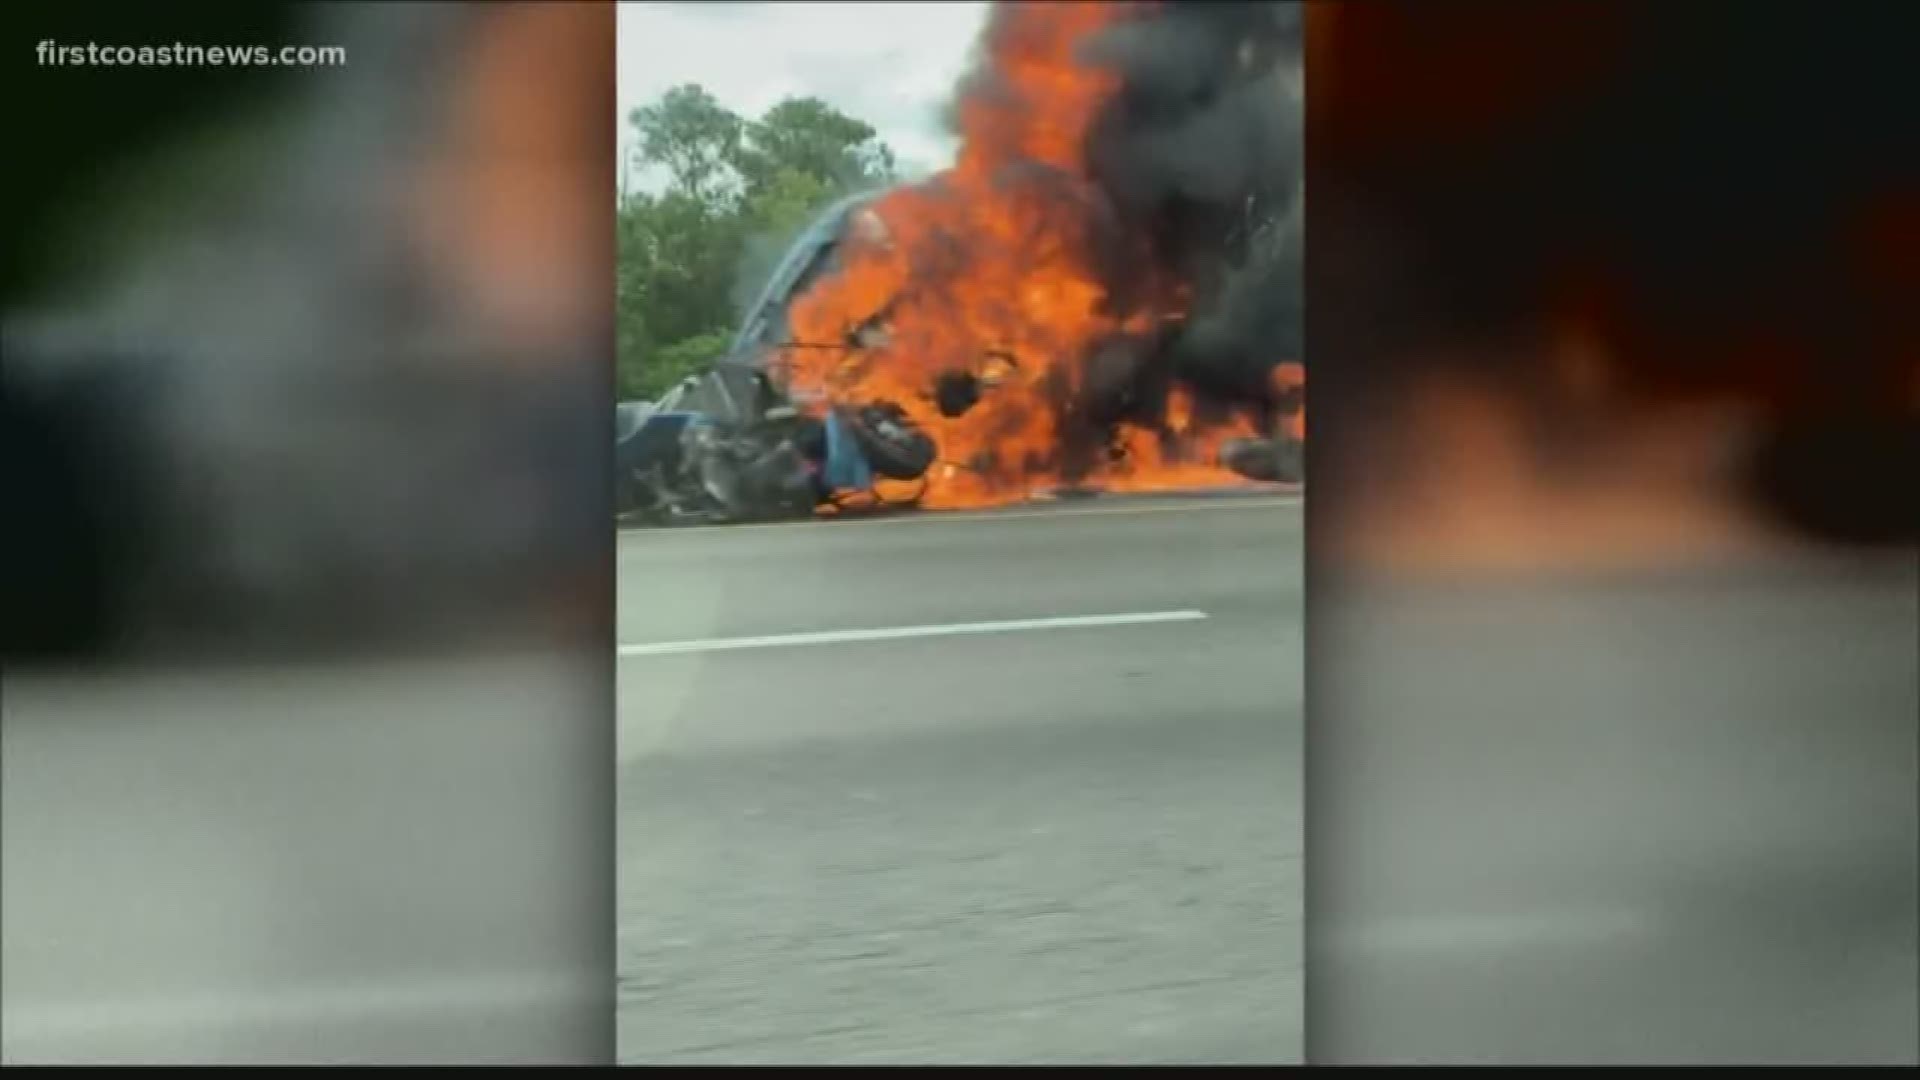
(1613, 669)
(307, 721)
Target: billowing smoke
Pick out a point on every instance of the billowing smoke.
(1199, 152)
(1207, 116)
(1197, 157)
(1252, 321)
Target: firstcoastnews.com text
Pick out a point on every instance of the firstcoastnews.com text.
(179, 54)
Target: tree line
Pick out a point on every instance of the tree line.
(707, 205)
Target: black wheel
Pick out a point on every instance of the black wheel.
(895, 446)
(1265, 460)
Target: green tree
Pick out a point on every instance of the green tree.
(695, 247)
(813, 139)
(633, 266)
(676, 257)
(693, 136)
(789, 200)
(685, 357)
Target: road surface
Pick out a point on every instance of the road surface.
(1009, 787)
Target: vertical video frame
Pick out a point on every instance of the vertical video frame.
(959, 470)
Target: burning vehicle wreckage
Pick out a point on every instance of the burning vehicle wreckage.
(735, 443)
(1102, 294)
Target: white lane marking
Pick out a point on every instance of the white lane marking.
(1054, 510)
(895, 633)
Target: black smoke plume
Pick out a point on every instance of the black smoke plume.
(1198, 156)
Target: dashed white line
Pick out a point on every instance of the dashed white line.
(896, 633)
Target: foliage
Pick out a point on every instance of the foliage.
(808, 137)
(693, 136)
(733, 192)
(688, 355)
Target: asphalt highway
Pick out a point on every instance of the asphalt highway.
(1016, 786)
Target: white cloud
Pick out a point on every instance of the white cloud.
(893, 65)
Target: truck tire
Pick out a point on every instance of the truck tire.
(895, 446)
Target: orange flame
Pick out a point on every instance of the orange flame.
(987, 270)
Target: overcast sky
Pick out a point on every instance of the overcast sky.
(893, 65)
